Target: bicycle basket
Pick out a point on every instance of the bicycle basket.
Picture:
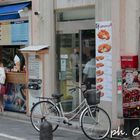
(92, 96)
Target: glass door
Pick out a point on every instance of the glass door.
(68, 59)
(87, 52)
(73, 52)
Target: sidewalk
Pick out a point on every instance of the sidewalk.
(15, 115)
(75, 125)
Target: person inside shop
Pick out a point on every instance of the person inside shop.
(74, 62)
(89, 71)
(19, 61)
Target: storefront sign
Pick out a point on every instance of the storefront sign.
(14, 33)
(131, 93)
(104, 59)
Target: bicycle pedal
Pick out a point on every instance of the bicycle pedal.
(69, 123)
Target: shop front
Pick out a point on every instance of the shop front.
(75, 40)
(14, 35)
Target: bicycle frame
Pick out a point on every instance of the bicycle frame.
(78, 110)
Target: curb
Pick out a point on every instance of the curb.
(15, 115)
(25, 117)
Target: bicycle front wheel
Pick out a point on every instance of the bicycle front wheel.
(95, 123)
(39, 113)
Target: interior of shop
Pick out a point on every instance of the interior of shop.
(7, 54)
(14, 63)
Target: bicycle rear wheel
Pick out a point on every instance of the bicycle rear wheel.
(95, 123)
(39, 113)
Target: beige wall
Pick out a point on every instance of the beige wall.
(129, 21)
(43, 33)
(103, 10)
(12, 1)
(132, 27)
(35, 21)
(103, 13)
(116, 43)
(124, 16)
(61, 4)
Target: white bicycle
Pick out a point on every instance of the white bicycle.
(94, 121)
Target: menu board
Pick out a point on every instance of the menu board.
(5, 29)
(14, 33)
(104, 59)
(33, 67)
(131, 93)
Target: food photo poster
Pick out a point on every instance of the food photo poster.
(104, 59)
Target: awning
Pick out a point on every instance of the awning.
(11, 11)
(40, 49)
(35, 48)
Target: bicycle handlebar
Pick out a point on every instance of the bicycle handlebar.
(73, 89)
(83, 91)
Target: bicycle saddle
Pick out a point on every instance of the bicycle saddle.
(57, 96)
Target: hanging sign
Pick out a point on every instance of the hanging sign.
(104, 59)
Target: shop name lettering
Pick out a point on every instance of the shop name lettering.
(103, 26)
(119, 132)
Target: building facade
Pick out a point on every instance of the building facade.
(68, 24)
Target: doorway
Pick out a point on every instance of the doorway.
(73, 52)
(75, 38)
